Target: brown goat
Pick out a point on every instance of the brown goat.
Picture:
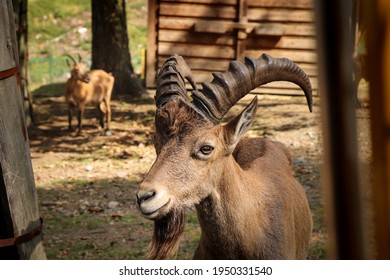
(89, 88)
(249, 205)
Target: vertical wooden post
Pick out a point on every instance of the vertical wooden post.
(378, 51)
(242, 9)
(340, 174)
(151, 55)
(20, 12)
(20, 221)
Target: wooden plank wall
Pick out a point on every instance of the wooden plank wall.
(298, 42)
(211, 33)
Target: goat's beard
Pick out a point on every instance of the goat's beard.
(166, 236)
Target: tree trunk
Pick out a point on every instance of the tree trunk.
(110, 45)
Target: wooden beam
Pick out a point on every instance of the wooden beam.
(197, 10)
(300, 4)
(296, 56)
(280, 15)
(211, 2)
(378, 63)
(18, 194)
(340, 179)
(188, 37)
(284, 42)
(291, 28)
(196, 50)
(151, 53)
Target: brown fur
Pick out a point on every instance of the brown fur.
(175, 119)
(92, 88)
(166, 237)
(249, 205)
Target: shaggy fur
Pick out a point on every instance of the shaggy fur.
(166, 237)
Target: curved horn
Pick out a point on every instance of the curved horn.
(240, 78)
(171, 80)
(71, 57)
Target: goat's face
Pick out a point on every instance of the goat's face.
(79, 72)
(191, 154)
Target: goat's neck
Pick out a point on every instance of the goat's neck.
(220, 213)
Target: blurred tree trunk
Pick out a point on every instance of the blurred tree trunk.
(110, 45)
(20, 15)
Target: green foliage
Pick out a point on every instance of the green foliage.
(53, 31)
(317, 251)
(47, 70)
(46, 17)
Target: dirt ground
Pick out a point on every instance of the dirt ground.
(86, 184)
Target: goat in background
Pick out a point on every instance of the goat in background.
(88, 88)
(249, 205)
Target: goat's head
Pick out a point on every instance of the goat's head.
(78, 70)
(191, 143)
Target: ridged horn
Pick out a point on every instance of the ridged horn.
(71, 57)
(171, 80)
(227, 88)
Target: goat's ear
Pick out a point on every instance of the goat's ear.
(239, 125)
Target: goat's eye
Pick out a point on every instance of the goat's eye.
(206, 150)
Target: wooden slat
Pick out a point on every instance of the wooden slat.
(300, 4)
(284, 42)
(270, 29)
(291, 29)
(294, 55)
(280, 15)
(300, 29)
(176, 23)
(378, 63)
(211, 2)
(188, 37)
(205, 64)
(7, 59)
(196, 50)
(197, 10)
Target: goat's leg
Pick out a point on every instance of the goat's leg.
(101, 115)
(70, 116)
(108, 117)
(80, 118)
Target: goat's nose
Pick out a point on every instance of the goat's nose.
(143, 196)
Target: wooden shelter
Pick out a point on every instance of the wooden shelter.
(211, 33)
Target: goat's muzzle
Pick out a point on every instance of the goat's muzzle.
(152, 204)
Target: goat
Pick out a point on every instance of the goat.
(88, 88)
(248, 203)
